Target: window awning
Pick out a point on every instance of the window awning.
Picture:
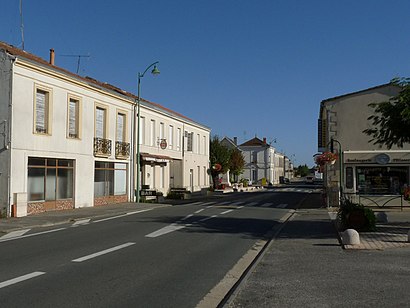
(155, 158)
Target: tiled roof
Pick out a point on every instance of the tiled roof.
(91, 81)
(254, 142)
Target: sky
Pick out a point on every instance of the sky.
(243, 68)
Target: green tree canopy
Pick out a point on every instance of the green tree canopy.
(219, 156)
(391, 121)
(236, 162)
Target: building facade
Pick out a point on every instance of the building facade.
(362, 168)
(67, 141)
(262, 162)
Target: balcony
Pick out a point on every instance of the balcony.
(102, 147)
(122, 150)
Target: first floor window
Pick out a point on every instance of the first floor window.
(42, 106)
(110, 179)
(73, 118)
(50, 179)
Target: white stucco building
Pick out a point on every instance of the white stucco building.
(67, 141)
(262, 161)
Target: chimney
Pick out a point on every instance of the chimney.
(264, 140)
(235, 140)
(52, 56)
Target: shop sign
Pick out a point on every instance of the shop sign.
(382, 159)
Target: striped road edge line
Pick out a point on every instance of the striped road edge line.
(14, 234)
(20, 279)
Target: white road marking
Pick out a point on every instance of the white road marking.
(267, 204)
(224, 203)
(20, 279)
(123, 215)
(208, 203)
(103, 252)
(209, 206)
(282, 206)
(241, 207)
(199, 211)
(252, 203)
(29, 235)
(168, 229)
(14, 234)
(208, 218)
(226, 212)
(187, 216)
(81, 222)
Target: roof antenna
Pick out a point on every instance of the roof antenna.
(79, 59)
(21, 23)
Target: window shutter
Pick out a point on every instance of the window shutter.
(41, 112)
(99, 123)
(120, 127)
(72, 119)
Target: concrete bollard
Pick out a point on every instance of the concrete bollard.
(350, 237)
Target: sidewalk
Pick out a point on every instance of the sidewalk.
(392, 230)
(304, 266)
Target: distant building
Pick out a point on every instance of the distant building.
(263, 162)
(362, 168)
(67, 141)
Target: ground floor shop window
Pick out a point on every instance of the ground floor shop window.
(381, 180)
(50, 179)
(110, 179)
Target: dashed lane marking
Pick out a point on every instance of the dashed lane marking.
(103, 252)
(20, 279)
(282, 206)
(81, 222)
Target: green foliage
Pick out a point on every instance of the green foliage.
(218, 154)
(236, 162)
(391, 121)
(302, 170)
(355, 216)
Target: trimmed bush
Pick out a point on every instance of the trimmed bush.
(355, 216)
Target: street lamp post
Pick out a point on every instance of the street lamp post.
(136, 156)
(340, 164)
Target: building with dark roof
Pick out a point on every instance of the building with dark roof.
(66, 141)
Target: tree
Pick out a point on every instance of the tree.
(302, 170)
(219, 156)
(236, 163)
(391, 121)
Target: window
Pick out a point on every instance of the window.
(171, 136)
(161, 131)
(50, 179)
(189, 141)
(73, 118)
(121, 125)
(100, 122)
(110, 179)
(381, 180)
(141, 131)
(178, 139)
(255, 157)
(152, 133)
(198, 143)
(199, 175)
(206, 183)
(204, 147)
(42, 112)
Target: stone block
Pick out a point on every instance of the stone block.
(350, 237)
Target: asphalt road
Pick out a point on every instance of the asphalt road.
(167, 257)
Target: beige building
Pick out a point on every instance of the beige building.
(362, 170)
(67, 141)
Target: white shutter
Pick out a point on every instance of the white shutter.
(99, 123)
(41, 112)
(120, 127)
(72, 119)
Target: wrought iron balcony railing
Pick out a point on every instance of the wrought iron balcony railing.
(102, 147)
(122, 150)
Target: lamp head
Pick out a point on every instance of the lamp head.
(155, 71)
